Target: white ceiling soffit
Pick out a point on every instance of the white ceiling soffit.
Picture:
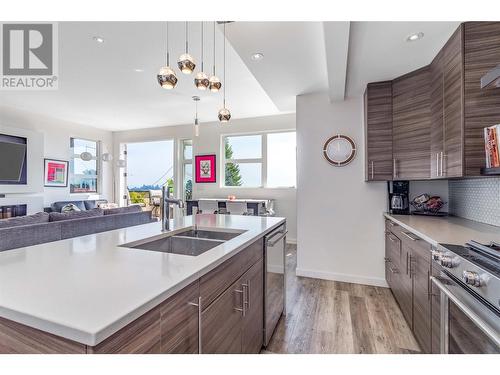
(337, 48)
(379, 51)
(294, 60)
(98, 84)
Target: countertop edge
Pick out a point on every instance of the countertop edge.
(95, 338)
(411, 229)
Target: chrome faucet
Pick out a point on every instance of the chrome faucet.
(167, 201)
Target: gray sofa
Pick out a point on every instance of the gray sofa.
(14, 234)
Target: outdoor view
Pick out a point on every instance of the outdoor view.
(245, 160)
(150, 165)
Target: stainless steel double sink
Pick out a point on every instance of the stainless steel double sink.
(191, 241)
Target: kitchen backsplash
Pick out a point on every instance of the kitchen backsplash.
(476, 199)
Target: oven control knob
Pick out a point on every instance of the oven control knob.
(436, 255)
(449, 261)
(472, 278)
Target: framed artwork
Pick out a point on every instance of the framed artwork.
(205, 168)
(55, 173)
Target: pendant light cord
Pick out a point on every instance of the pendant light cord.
(202, 46)
(186, 37)
(214, 48)
(224, 87)
(168, 53)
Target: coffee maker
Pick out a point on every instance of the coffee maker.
(399, 192)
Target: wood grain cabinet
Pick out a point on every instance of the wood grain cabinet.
(446, 146)
(411, 125)
(438, 112)
(411, 285)
(378, 131)
(481, 106)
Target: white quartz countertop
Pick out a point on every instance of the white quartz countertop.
(447, 230)
(87, 288)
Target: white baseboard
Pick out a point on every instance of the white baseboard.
(355, 279)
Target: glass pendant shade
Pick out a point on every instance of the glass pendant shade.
(201, 81)
(224, 115)
(214, 84)
(186, 63)
(167, 78)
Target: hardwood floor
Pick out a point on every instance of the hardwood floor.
(334, 317)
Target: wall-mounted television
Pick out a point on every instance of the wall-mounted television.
(13, 160)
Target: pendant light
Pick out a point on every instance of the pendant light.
(186, 62)
(201, 79)
(196, 124)
(166, 76)
(214, 81)
(224, 113)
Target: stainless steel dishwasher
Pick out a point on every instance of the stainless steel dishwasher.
(274, 280)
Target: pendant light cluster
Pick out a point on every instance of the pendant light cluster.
(168, 79)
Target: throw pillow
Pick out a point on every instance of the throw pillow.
(123, 210)
(70, 207)
(60, 216)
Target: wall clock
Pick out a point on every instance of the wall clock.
(339, 150)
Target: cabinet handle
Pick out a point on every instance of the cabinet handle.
(246, 302)
(199, 322)
(394, 167)
(443, 173)
(407, 263)
(241, 309)
(410, 236)
(437, 164)
(429, 291)
(372, 164)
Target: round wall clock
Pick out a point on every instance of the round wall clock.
(339, 150)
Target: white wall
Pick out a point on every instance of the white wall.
(339, 216)
(209, 142)
(56, 144)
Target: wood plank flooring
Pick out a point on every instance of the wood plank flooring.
(334, 317)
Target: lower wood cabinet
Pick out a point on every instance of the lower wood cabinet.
(179, 321)
(411, 283)
(234, 322)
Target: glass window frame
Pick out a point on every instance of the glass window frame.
(184, 162)
(75, 156)
(262, 160)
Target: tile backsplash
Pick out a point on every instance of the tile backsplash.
(476, 199)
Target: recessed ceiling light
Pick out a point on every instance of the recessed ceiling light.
(414, 37)
(257, 56)
(98, 39)
(138, 70)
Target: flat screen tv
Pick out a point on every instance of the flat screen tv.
(13, 151)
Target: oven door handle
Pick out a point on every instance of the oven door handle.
(477, 320)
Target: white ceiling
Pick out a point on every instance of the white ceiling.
(98, 85)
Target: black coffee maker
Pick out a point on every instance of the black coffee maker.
(399, 192)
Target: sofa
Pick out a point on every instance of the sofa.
(54, 226)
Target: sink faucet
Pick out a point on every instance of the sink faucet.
(167, 201)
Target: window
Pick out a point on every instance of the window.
(260, 160)
(187, 168)
(84, 174)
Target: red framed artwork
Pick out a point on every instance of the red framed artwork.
(205, 168)
(56, 173)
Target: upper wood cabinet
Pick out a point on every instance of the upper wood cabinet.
(481, 106)
(411, 116)
(378, 131)
(438, 112)
(446, 145)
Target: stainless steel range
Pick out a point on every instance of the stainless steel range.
(469, 282)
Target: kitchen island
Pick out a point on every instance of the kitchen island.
(92, 294)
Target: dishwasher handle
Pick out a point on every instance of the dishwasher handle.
(271, 241)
